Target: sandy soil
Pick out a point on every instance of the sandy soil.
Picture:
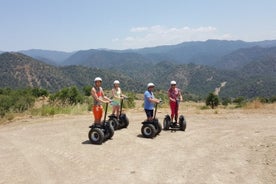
(219, 146)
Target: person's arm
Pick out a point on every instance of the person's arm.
(94, 94)
(153, 100)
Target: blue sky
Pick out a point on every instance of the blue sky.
(70, 25)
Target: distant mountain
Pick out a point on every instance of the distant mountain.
(82, 76)
(200, 52)
(18, 70)
(208, 52)
(129, 63)
(255, 71)
(21, 71)
(48, 56)
(240, 58)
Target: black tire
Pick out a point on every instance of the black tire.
(159, 128)
(166, 124)
(124, 122)
(148, 130)
(109, 130)
(114, 123)
(96, 136)
(182, 123)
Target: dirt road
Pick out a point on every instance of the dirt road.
(223, 146)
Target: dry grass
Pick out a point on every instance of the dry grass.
(256, 104)
(186, 108)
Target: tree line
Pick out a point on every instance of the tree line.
(20, 100)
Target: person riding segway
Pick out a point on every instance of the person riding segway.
(118, 119)
(151, 126)
(99, 131)
(175, 97)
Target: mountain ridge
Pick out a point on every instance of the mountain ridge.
(18, 70)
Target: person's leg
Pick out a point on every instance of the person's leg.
(172, 106)
(113, 109)
(97, 111)
(149, 114)
(176, 112)
(117, 110)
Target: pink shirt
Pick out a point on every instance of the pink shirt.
(174, 93)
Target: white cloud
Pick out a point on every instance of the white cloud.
(140, 37)
(138, 29)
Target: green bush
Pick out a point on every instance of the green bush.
(130, 102)
(212, 100)
(15, 100)
(272, 99)
(239, 101)
(67, 96)
(87, 90)
(226, 101)
(38, 92)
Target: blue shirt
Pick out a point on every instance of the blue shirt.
(147, 104)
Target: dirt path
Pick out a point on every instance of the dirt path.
(232, 146)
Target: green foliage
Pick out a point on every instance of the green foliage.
(239, 101)
(162, 95)
(272, 99)
(129, 102)
(67, 96)
(212, 100)
(38, 92)
(226, 101)
(15, 100)
(87, 90)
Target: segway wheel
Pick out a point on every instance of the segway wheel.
(159, 127)
(182, 123)
(109, 130)
(166, 124)
(114, 123)
(148, 130)
(96, 136)
(125, 122)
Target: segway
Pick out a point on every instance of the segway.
(152, 128)
(122, 121)
(168, 124)
(101, 132)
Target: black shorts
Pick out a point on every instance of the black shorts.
(149, 113)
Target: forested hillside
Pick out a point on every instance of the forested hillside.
(247, 72)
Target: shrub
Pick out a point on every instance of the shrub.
(212, 100)
(15, 100)
(38, 92)
(87, 90)
(226, 101)
(272, 99)
(129, 103)
(67, 96)
(239, 101)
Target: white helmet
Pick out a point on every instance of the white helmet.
(98, 79)
(150, 84)
(173, 83)
(116, 82)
